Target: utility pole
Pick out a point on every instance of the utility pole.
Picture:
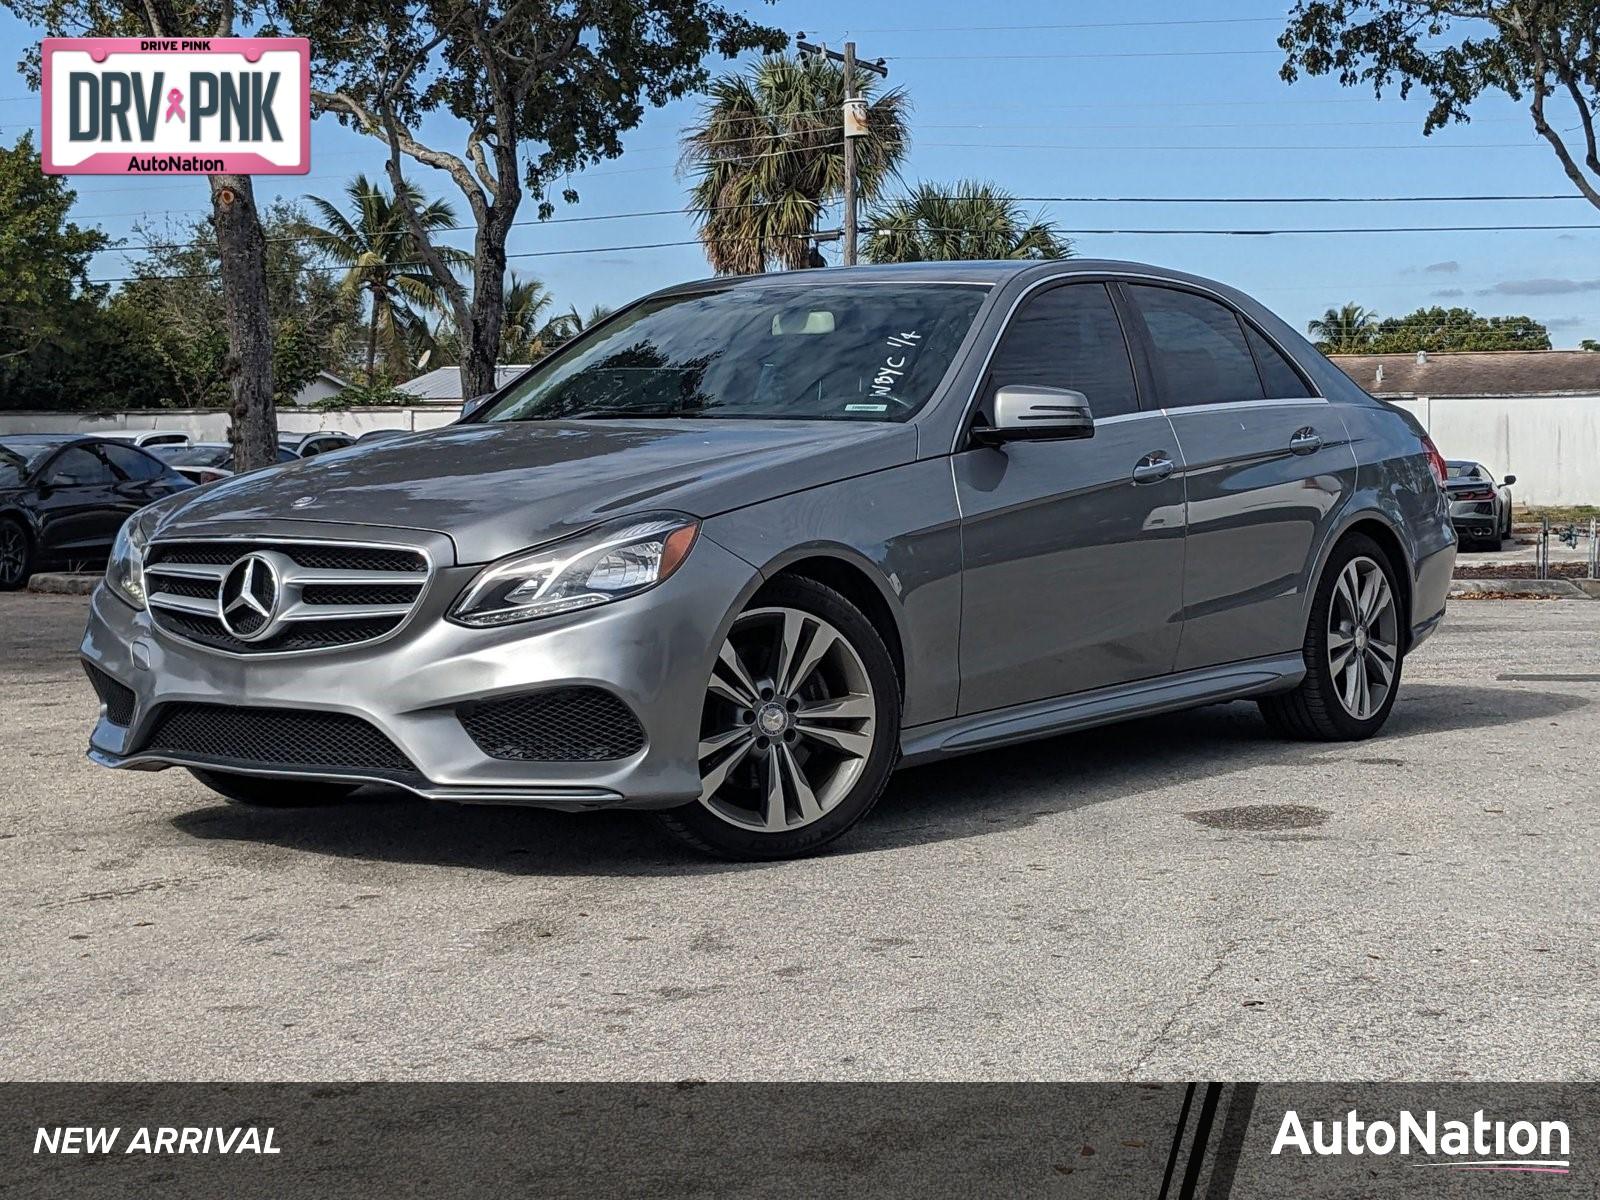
(854, 126)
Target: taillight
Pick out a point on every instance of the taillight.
(1480, 494)
(1435, 460)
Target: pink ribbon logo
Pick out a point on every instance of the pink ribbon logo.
(175, 105)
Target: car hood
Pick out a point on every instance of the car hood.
(496, 488)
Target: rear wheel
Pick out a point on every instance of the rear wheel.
(799, 731)
(16, 555)
(1352, 651)
(259, 791)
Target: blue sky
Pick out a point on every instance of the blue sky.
(1132, 98)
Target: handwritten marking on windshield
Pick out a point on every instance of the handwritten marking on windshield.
(894, 365)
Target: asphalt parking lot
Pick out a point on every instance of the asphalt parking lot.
(1180, 897)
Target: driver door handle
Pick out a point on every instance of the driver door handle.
(1305, 441)
(1153, 467)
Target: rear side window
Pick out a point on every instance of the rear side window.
(1280, 379)
(132, 463)
(1069, 337)
(1199, 347)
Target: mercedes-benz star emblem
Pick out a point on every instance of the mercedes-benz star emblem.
(250, 597)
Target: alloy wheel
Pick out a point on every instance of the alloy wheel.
(13, 553)
(788, 722)
(1363, 638)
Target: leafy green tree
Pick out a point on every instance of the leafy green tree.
(1589, 344)
(1455, 51)
(768, 155)
(970, 220)
(1348, 329)
(1442, 329)
(175, 303)
(543, 88)
(44, 257)
(380, 258)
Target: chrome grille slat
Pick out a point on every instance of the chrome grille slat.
(301, 624)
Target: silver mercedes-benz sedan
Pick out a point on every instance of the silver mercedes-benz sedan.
(747, 545)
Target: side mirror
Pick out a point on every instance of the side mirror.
(473, 403)
(1038, 414)
(1509, 479)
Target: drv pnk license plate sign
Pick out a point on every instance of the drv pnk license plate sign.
(177, 106)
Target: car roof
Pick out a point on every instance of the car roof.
(42, 439)
(985, 271)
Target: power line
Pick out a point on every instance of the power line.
(1078, 25)
(676, 212)
(1074, 232)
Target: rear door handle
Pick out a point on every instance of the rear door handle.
(1305, 441)
(1152, 468)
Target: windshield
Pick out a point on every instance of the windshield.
(834, 352)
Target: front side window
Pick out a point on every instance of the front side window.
(832, 352)
(1069, 337)
(1199, 347)
(79, 467)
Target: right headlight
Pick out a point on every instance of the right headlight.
(125, 567)
(609, 562)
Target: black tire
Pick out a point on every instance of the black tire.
(16, 556)
(698, 826)
(1313, 710)
(259, 791)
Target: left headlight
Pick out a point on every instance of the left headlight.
(609, 562)
(125, 568)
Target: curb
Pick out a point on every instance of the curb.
(1519, 589)
(62, 583)
(1589, 587)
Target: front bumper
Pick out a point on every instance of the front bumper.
(654, 652)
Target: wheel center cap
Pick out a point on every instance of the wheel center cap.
(1361, 639)
(772, 719)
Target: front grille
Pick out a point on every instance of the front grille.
(326, 595)
(225, 735)
(118, 698)
(573, 724)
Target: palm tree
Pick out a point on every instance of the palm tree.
(382, 260)
(769, 157)
(969, 220)
(524, 336)
(1344, 330)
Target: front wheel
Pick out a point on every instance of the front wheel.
(16, 555)
(259, 791)
(799, 730)
(1352, 651)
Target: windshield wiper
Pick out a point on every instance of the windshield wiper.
(623, 414)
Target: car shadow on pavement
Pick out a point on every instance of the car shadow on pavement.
(966, 797)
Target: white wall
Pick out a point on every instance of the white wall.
(204, 425)
(1550, 443)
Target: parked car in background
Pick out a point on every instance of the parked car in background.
(1480, 508)
(207, 462)
(63, 498)
(150, 438)
(380, 435)
(739, 551)
(308, 445)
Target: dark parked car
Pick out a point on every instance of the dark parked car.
(739, 551)
(1480, 508)
(207, 462)
(63, 498)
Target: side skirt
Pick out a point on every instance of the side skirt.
(1063, 714)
